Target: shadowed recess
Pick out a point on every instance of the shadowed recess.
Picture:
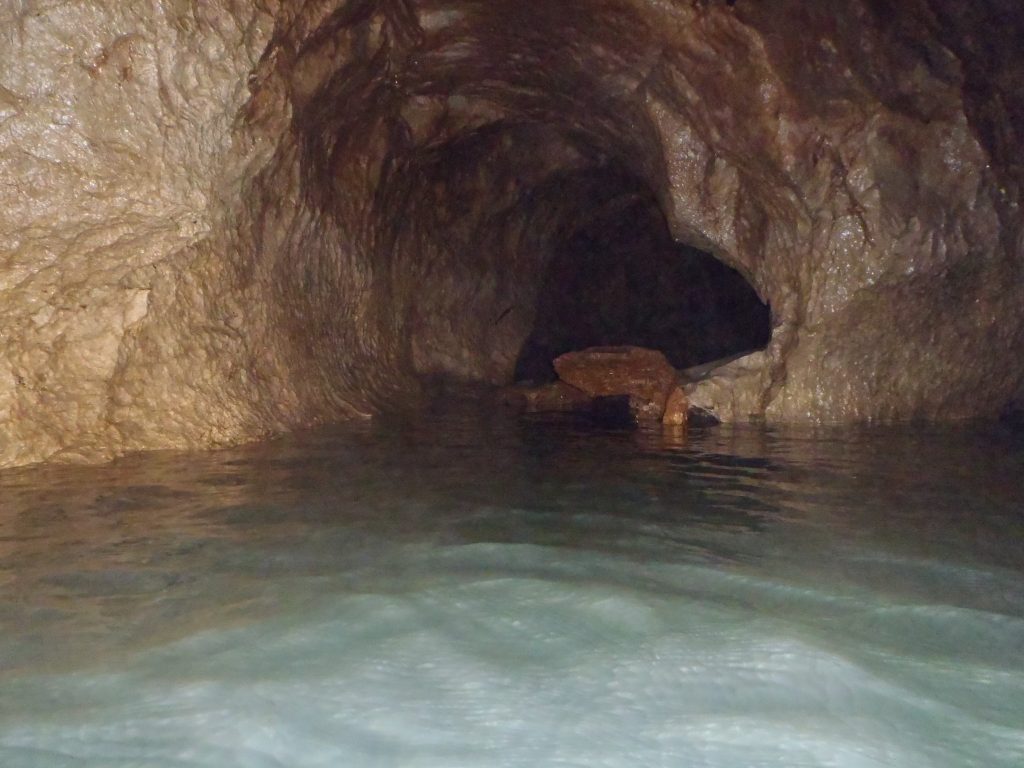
(620, 279)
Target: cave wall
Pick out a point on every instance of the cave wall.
(869, 196)
(220, 220)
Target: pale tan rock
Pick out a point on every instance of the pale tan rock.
(732, 391)
(115, 140)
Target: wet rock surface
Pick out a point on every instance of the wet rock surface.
(643, 374)
(224, 220)
(676, 410)
(554, 397)
(614, 384)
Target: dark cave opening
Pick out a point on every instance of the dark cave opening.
(498, 216)
(619, 278)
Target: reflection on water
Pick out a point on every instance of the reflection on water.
(469, 590)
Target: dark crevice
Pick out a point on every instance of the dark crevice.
(619, 278)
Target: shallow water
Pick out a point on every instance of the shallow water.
(471, 590)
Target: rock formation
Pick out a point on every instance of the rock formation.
(639, 383)
(642, 375)
(220, 220)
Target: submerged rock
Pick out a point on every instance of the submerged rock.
(555, 397)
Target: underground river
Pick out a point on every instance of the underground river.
(465, 588)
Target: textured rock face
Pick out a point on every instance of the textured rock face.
(602, 371)
(224, 219)
(118, 171)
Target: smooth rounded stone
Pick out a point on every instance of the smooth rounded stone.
(701, 417)
(643, 374)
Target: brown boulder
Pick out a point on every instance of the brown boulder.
(643, 374)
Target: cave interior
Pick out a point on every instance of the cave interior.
(514, 201)
(247, 218)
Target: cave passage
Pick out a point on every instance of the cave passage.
(462, 191)
(621, 279)
(230, 220)
(514, 242)
(504, 200)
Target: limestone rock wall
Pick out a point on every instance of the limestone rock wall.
(116, 157)
(224, 219)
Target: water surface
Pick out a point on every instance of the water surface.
(472, 590)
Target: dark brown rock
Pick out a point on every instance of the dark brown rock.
(556, 397)
(643, 374)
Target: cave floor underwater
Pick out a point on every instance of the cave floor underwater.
(465, 588)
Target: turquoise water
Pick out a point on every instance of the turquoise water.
(472, 590)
